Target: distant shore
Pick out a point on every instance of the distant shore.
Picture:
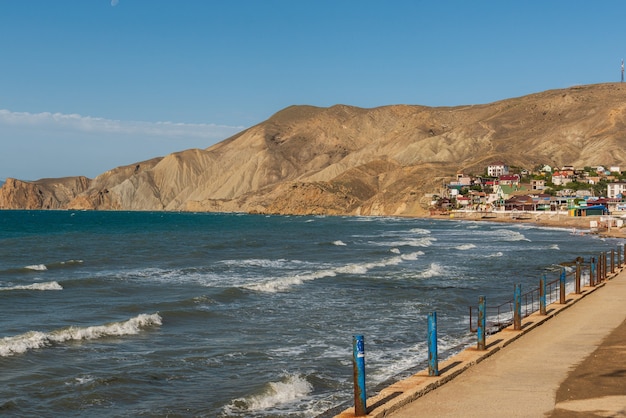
(578, 224)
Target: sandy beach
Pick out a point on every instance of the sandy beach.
(578, 224)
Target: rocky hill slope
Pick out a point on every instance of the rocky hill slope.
(349, 160)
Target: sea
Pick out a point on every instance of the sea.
(152, 314)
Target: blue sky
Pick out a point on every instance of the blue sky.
(89, 85)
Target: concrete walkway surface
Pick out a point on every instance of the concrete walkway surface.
(569, 363)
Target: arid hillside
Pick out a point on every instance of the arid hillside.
(349, 160)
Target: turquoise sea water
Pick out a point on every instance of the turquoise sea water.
(179, 314)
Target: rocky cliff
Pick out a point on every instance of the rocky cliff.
(348, 160)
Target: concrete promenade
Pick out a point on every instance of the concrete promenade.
(569, 363)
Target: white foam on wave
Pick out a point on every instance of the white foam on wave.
(289, 389)
(424, 241)
(432, 271)
(464, 247)
(420, 231)
(36, 339)
(285, 283)
(34, 286)
(37, 267)
(339, 243)
(555, 247)
(496, 254)
(510, 236)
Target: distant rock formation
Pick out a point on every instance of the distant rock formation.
(349, 160)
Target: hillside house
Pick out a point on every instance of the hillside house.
(538, 184)
(509, 179)
(497, 169)
(560, 178)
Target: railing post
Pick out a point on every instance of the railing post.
(482, 323)
(592, 272)
(562, 287)
(358, 368)
(517, 309)
(619, 257)
(433, 361)
(542, 295)
(612, 261)
(577, 290)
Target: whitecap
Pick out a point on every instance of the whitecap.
(37, 267)
(497, 254)
(285, 283)
(289, 389)
(433, 270)
(339, 243)
(511, 236)
(464, 247)
(36, 339)
(35, 286)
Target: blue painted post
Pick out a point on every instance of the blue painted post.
(433, 360)
(358, 368)
(517, 309)
(562, 287)
(482, 323)
(542, 295)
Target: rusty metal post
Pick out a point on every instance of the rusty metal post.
(562, 287)
(433, 360)
(612, 261)
(577, 289)
(592, 272)
(517, 308)
(358, 368)
(542, 295)
(482, 323)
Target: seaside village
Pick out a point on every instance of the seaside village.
(518, 193)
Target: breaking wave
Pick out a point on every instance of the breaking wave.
(36, 267)
(35, 339)
(290, 388)
(284, 283)
(34, 286)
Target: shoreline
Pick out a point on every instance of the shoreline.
(578, 224)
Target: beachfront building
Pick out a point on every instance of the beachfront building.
(615, 190)
(497, 169)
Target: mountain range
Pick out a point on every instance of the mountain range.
(345, 160)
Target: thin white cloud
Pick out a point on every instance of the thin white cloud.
(114, 2)
(79, 123)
